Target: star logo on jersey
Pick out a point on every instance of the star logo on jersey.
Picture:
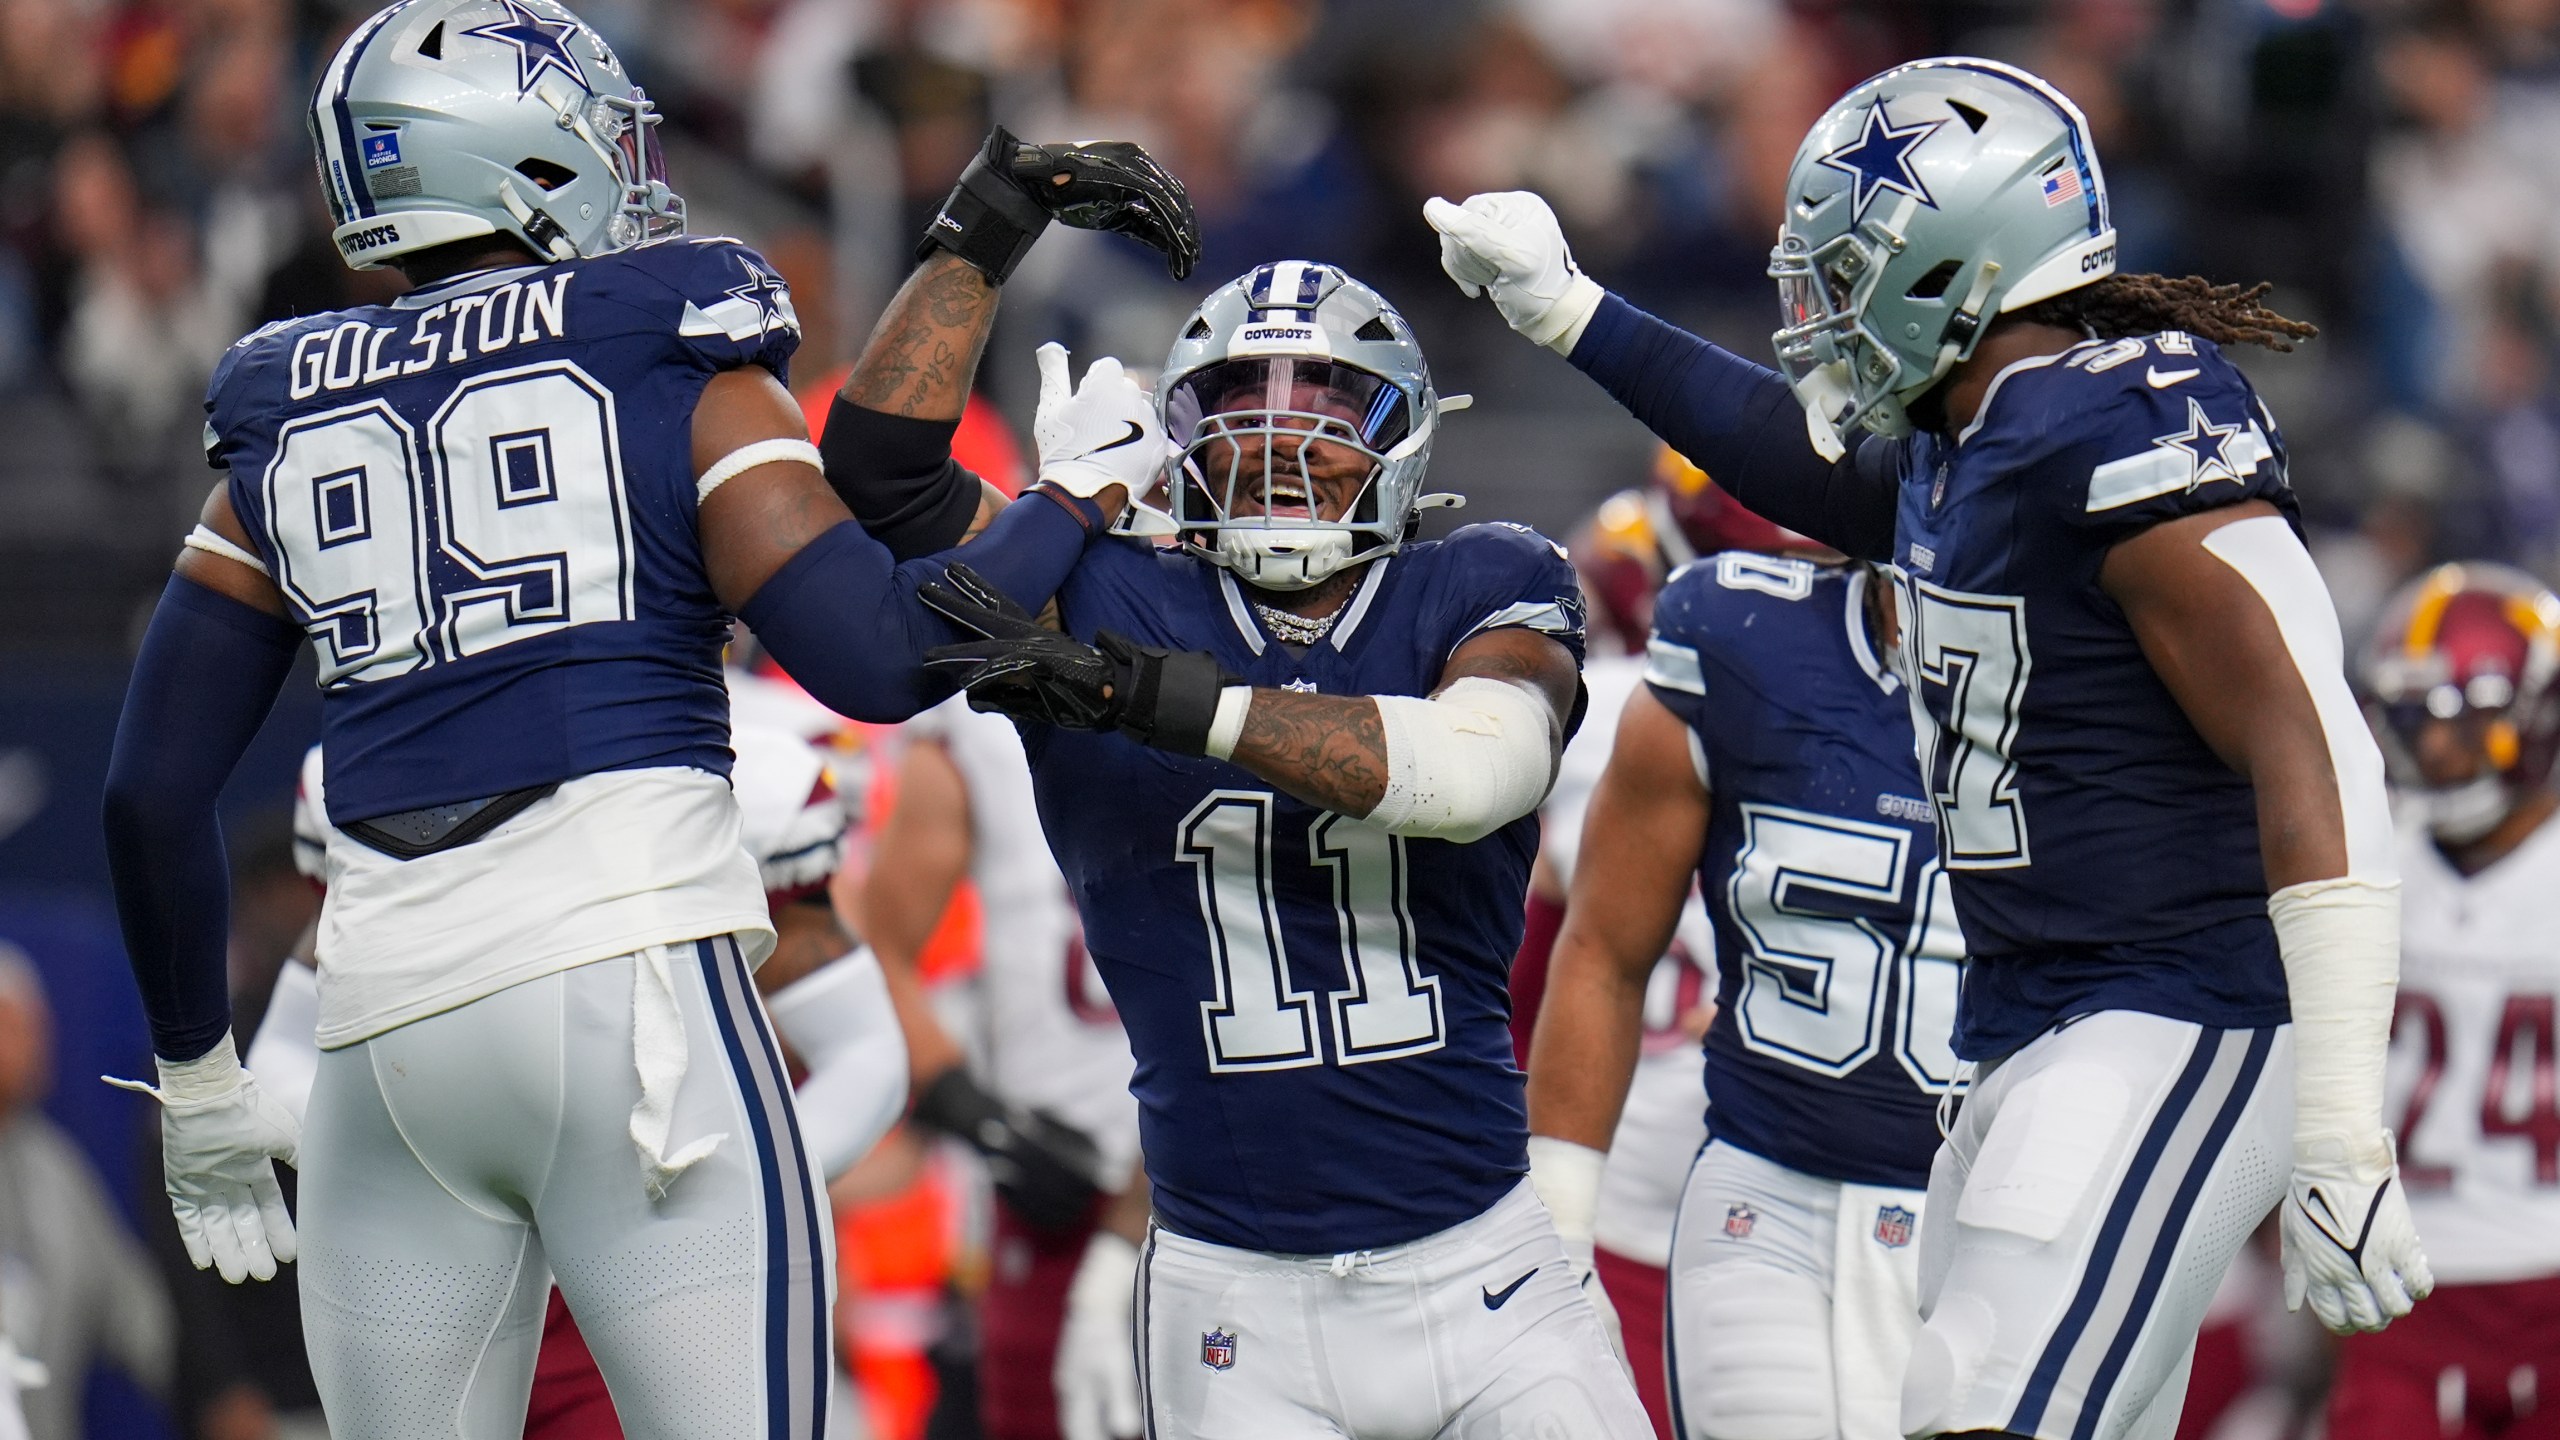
(1738, 1220)
(771, 298)
(539, 45)
(2208, 448)
(1218, 1349)
(1880, 158)
(1893, 1226)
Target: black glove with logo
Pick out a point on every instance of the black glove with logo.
(1049, 1170)
(1164, 698)
(1011, 192)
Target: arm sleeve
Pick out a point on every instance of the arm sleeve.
(845, 621)
(209, 671)
(1741, 424)
(897, 476)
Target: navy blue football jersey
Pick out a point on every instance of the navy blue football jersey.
(2104, 857)
(479, 502)
(1838, 958)
(1319, 1010)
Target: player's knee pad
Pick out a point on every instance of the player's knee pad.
(1945, 1357)
(1755, 1356)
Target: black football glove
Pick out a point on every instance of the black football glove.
(1164, 698)
(1047, 1169)
(1011, 192)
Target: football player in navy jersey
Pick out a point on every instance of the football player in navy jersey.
(512, 513)
(1289, 765)
(2164, 826)
(1769, 754)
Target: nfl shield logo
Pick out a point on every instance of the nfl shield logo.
(1893, 1226)
(1738, 1220)
(1218, 1350)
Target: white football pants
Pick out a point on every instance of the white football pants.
(1476, 1333)
(451, 1168)
(1794, 1300)
(2081, 1215)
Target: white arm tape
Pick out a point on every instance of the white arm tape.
(2341, 945)
(2270, 557)
(1465, 762)
(213, 542)
(840, 1021)
(1227, 726)
(1566, 1177)
(285, 1054)
(747, 457)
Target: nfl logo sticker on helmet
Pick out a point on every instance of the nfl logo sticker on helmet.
(1218, 1349)
(382, 150)
(1893, 1226)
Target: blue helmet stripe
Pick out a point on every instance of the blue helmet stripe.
(1257, 289)
(2090, 188)
(355, 200)
(1310, 284)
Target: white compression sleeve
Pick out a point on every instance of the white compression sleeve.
(840, 1021)
(2340, 938)
(285, 1053)
(1465, 762)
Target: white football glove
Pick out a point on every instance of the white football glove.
(1096, 1374)
(220, 1136)
(1102, 433)
(1566, 1177)
(2349, 1246)
(1509, 244)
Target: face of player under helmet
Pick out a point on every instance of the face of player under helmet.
(1928, 200)
(2459, 685)
(1304, 415)
(441, 120)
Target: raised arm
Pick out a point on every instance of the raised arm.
(2235, 620)
(1733, 419)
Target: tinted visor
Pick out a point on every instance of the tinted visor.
(1335, 401)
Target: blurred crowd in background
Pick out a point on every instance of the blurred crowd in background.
(2392, 166)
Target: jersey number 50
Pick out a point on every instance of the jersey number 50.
(507, 522)
(1260, 1019)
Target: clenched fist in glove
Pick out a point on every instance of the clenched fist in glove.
(1101, 433)
(220, 1136)
(1509, 245)
(1011, 192)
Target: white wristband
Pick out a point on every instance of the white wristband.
(747, 457)
(213, 542)
(2340, 940)
(1228, 726)
(1566, 1177)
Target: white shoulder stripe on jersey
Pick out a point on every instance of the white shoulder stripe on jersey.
(2165, 468)
(2270, 557)
(1544, 616)
(1673, 667)
(738, 319)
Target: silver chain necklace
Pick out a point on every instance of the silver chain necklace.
(1293, 629)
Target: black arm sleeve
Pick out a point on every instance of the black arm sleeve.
(897, 476)
(1741, 424)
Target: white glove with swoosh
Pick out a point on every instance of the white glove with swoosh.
(1101, 433)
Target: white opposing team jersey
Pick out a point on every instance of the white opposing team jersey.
(792, 812)
(1050, 1039)
(1664, 1121)
(2475, 1053)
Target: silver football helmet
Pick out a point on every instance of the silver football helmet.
(439, 120)
(1926, 201)
(1282, 382)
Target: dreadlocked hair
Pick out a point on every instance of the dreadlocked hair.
(2123, 305)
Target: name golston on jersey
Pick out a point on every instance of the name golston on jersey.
(478, 500)
(1838, 957)
(2103, 856)
(1319, 1010)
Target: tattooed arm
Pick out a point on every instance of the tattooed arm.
(888, 436)
(1331, 750)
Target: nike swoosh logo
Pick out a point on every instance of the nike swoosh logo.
(1495, 1299)
(1137, 432)
(2163, 379)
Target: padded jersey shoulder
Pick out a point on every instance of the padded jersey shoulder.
(1499, 575)
(2117, 435)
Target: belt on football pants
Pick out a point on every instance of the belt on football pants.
(408, 834)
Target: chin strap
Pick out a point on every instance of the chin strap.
(545, 232)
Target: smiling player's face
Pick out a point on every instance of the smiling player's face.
(1294, 474)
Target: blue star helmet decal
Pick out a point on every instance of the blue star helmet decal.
(539, 45)
(1880, 158)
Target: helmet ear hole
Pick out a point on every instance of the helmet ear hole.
(1934, 285)
(545, 173)
(432, 47)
